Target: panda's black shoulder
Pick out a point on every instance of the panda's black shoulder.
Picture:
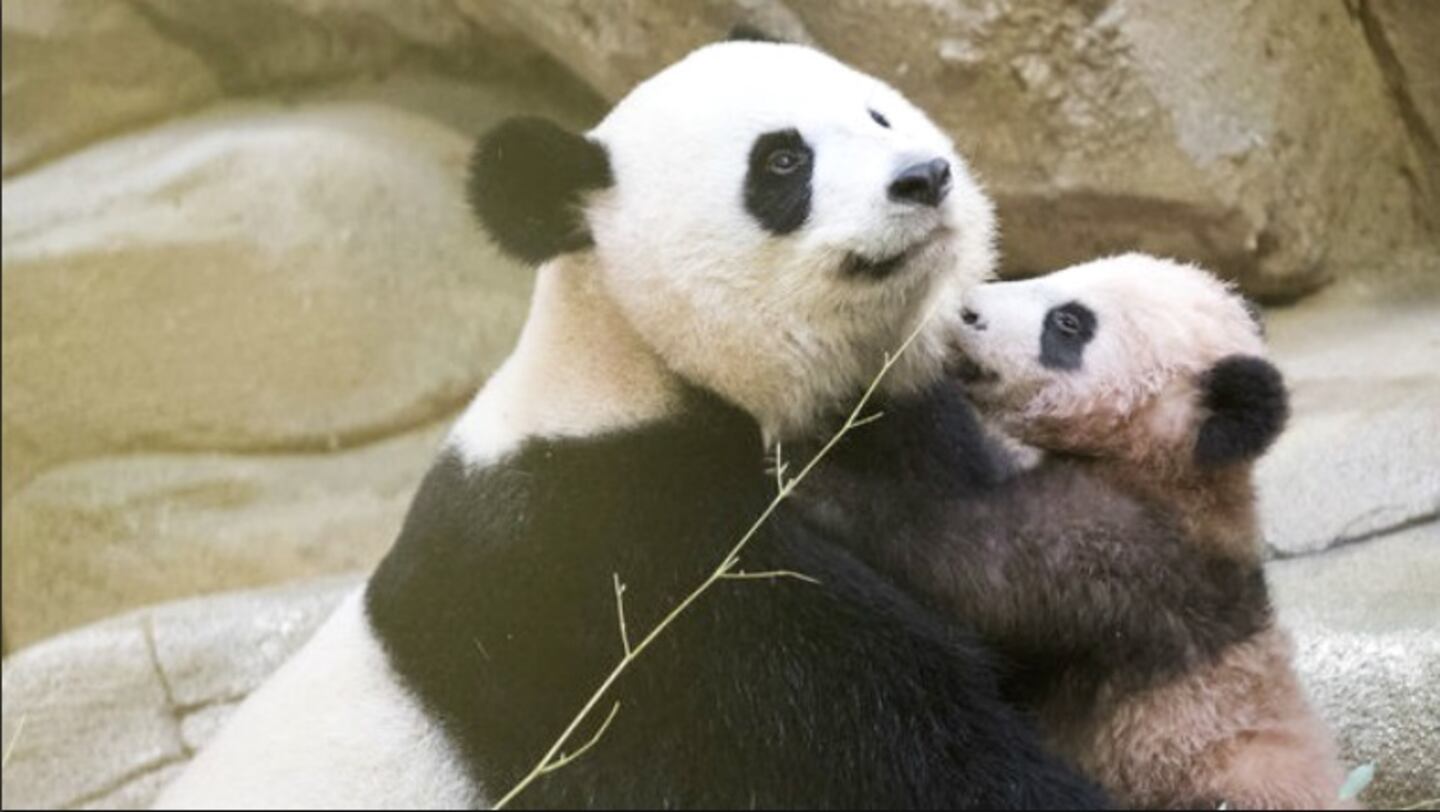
(929, 444)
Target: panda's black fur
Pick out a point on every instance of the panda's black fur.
(497, 608)
(942, 512)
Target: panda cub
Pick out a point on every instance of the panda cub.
(1144, 381)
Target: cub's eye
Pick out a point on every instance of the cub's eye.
(879, 119)
(1067, 323)
(784, 161)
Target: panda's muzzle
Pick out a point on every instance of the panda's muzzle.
(858, 266)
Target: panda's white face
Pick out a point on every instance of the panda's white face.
(778, 221)
(1092, 346)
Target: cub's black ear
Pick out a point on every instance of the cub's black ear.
(1248, 408)
(527, 180)
(745, 32)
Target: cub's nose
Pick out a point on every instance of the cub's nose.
(971, 319)
(925, 183)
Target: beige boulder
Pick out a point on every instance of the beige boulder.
(1362, 453)
(76, 70)
(79, 70)
(257, 277)
(92, 539)
(1403, 34)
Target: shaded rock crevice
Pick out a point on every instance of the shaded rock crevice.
(1343, 541)
(1402, 87)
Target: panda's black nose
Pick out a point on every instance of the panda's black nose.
(925, 183)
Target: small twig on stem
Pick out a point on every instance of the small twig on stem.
(751, 576)
(620, 610)
(564, 759)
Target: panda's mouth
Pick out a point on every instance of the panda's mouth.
(969, 373)
(857, 266)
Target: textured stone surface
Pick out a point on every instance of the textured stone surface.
(137, 793)
(255, 277)
(76, 70)
(111, 711)
(89, 540)
(1364, 619)
(1362, 453)
(1403, 34)
(90, 712)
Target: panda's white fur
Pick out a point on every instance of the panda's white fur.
(332, 729)
(681, 289)
(579, 368)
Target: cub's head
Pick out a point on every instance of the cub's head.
(769, 221)
(1130, 356)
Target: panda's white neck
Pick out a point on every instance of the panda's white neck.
(579, 369)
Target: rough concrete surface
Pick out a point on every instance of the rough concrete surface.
(102, 716)
(1362, 452)
(1368, 643)
(255, 277)
(94, 538)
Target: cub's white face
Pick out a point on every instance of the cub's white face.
(1073, 356)
(762, 233)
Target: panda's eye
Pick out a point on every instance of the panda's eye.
(1067, 323)
(784, 161)
(879, 119)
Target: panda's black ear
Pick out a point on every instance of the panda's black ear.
(1248, 406)
(528, 178)
(745, 32)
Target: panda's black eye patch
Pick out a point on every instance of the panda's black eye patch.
(1068, 328)
(879, 119)
(777, 183)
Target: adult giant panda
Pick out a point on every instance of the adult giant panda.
(724, 261)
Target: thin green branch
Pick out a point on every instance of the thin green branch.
(1433, 803)
(754, 576)
(585, 748)
(727, 564)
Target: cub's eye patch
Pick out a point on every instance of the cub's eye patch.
(1068, 328)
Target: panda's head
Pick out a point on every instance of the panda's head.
(1129, 356)
(770, 221)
